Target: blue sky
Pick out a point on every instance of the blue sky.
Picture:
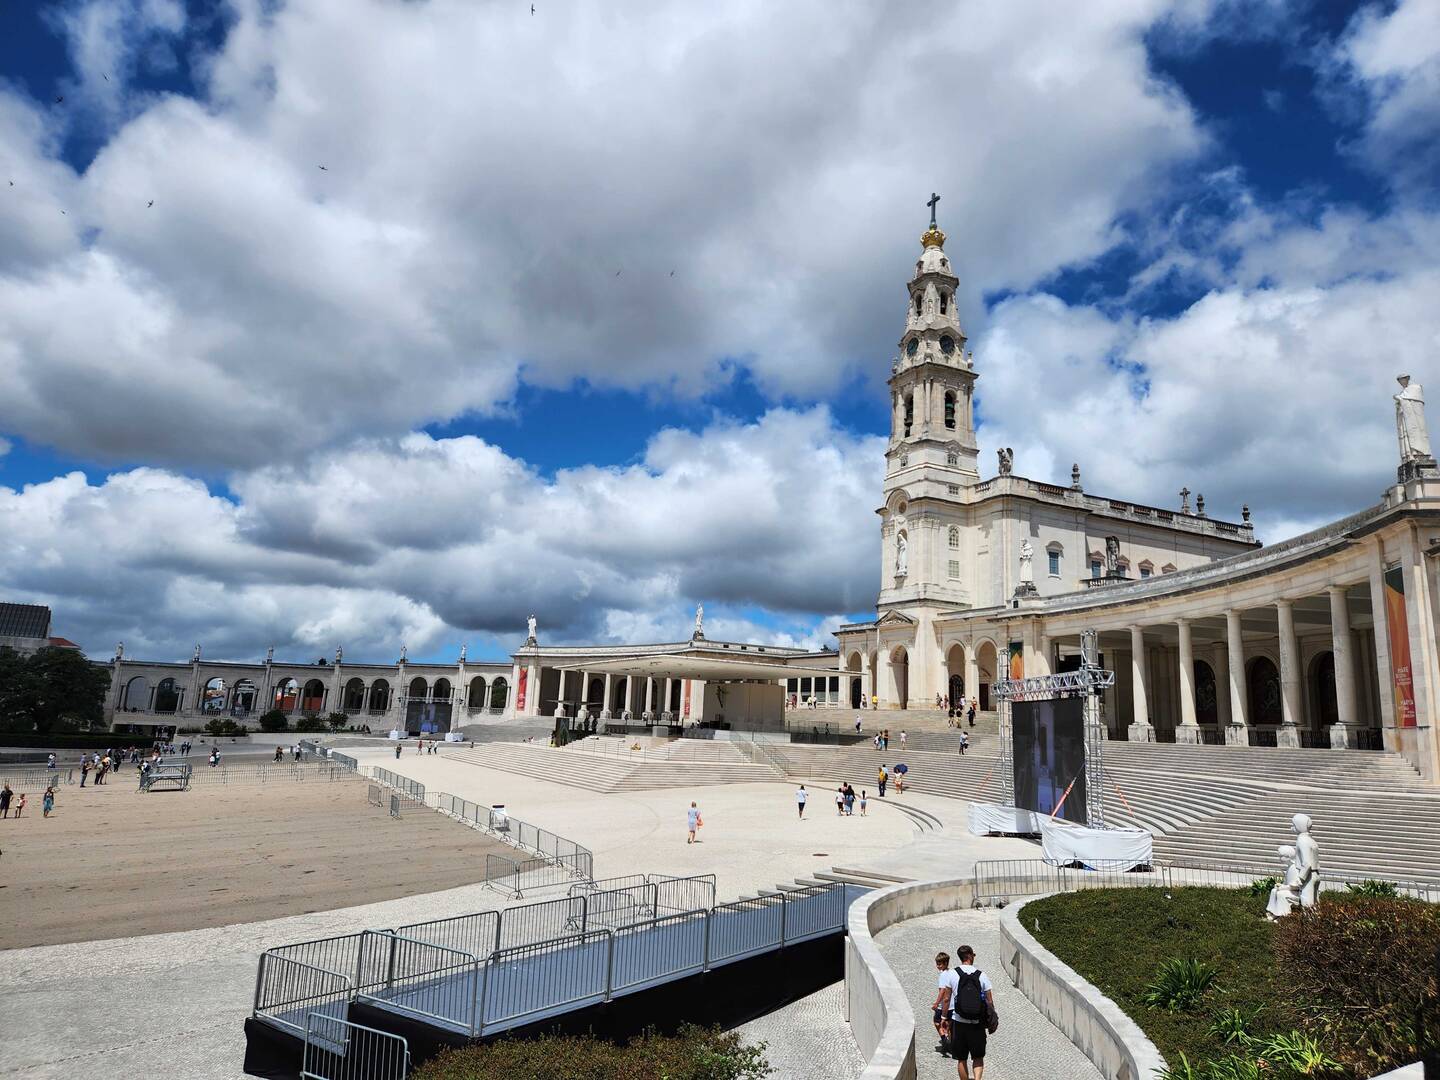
(1140, 205)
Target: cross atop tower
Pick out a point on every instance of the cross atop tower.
(934, 199)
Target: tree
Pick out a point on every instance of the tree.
(50, 690)
(337, 720)
(274, 720)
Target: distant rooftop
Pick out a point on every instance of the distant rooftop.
(24, 620)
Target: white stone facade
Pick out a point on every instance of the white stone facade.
(1212, 637)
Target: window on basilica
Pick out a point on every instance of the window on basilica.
(952, 458)
(943, 300)
(954, 569)
(1054, 563)
(950, 409)
(1096, 567)
(909, 410)
(952, 489)
(954, 537)
(918, 301)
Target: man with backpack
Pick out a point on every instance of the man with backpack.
(966, 991)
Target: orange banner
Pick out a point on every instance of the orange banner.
(1398, 629)
(520, 684)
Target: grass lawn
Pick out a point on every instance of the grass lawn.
(1118, 938)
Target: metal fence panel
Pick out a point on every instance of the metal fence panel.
(337, 1049)
(426, 981)
(676, 894)
(374, 795)
(658, 951)
(813, 912)
(531, 982)
(744, 928)
(543, 920)
(476, 933)
(286, 990)
(617, 908)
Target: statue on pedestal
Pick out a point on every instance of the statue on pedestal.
(1112, 556)
(902, 555)
(1007, 460)
(120, 650)
(195, 657)
(530, 630)
(1301, 884)
(1027, 569)
(1415, 455)
(339, 653)
(699, 621)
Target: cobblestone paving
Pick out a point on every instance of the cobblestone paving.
(808, 1038)
(1027, 1046)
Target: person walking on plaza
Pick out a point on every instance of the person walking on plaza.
(971, 712)
(857, 729)
(840, 802)
(904, 735)
(6, 795)
(48, 802)
(882, 780)
(20, 805)
(50, 762)
(864, 802)
(849, 801)
(692, 819)
(940, 1013)
(801, 798)
(964, 743)
(970, 999)
(279, 753)
(84, 770)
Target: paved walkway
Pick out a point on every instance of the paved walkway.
(808, 1038)
(1027, 1046)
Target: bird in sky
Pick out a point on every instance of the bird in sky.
(149, 204)
(104, 76)
(63, 212)
(532, 9)
(59, 99)
(672, 273)
(617, 273)
(322, 168)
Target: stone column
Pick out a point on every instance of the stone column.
(1382, 644)
(1342, 731)
(1236, 733)
(665, 701)
(972, 676)
(649, 693)
(1141, 730)
(1290, 705)
(882, 676)
(560, 695)
(1220, 661)
(605, 705)
(1187, 731)
(532, 689)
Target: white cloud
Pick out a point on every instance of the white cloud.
(431, 541)
(487, 175)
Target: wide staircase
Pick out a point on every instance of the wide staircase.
(914, 721)
(617, 768)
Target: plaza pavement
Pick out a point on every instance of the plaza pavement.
(173, 1004)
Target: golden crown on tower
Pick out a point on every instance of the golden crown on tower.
(932, 237)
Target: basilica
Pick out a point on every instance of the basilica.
(1326, 639)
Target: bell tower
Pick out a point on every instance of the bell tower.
(932, 456)
(932, 380)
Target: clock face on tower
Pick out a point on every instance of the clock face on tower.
(913, 347)
(947, 344)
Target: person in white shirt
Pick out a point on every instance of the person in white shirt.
(965, 991)
(692, 819)
(801, 798)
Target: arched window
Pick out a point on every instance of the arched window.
(287, 695)
(919, 299)
(499, 692)
(478, 689)
(944, 298)
(212, 696)
(167, 696)
(954, 538)
(242, 698)
(354, 699)
(1053, 553)
(950, 409)
(417, 689)
(379, 696)
(313, 700)
(137, 695)
(909, 412)
(1147, 568)
(441, 691)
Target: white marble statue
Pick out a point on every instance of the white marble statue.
(1410, 420)
(1027, 559)
(120, 650)
(464, 648)
(404, 650)
(902, 554)
(339, 653)
(195, 658)
(530, 628)
(1285, 894)
(1301, 886)
(700, 620)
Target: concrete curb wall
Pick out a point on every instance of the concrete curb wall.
(881, 1019)
(1090, 1020)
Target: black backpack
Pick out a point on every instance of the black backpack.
(969, 998)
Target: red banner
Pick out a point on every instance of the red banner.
(520, 685)
(685, 702)
(1398, 629)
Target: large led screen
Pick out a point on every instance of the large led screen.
(1049, 748)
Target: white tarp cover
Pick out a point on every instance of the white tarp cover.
(987, 818)
(1063, 843)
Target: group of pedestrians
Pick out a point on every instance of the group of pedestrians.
(964, 1012)
(881, 739)
(9, 800)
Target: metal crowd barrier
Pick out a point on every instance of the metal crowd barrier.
(373, 795)
(486, 972)
(1002, 880)
(175, 776)
(344, 761)
(403, 784)
(39, 781)
(521, 834)
(337, 1049)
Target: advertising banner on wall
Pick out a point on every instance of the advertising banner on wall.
(1049, 749)
(1017, 661)
(1397, 628)
(685, 704)
(520, 685)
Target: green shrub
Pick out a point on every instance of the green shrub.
(1294, 1053)
(337, 720)
(224, 726)
(1261, 886)
(1371, 887)
(1179, 984)
(1360, 977)
(1232, 1025)
(1182, 1071)
(274, 720)
(692, 1053)
(311, 722)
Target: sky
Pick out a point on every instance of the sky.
(383, 322)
